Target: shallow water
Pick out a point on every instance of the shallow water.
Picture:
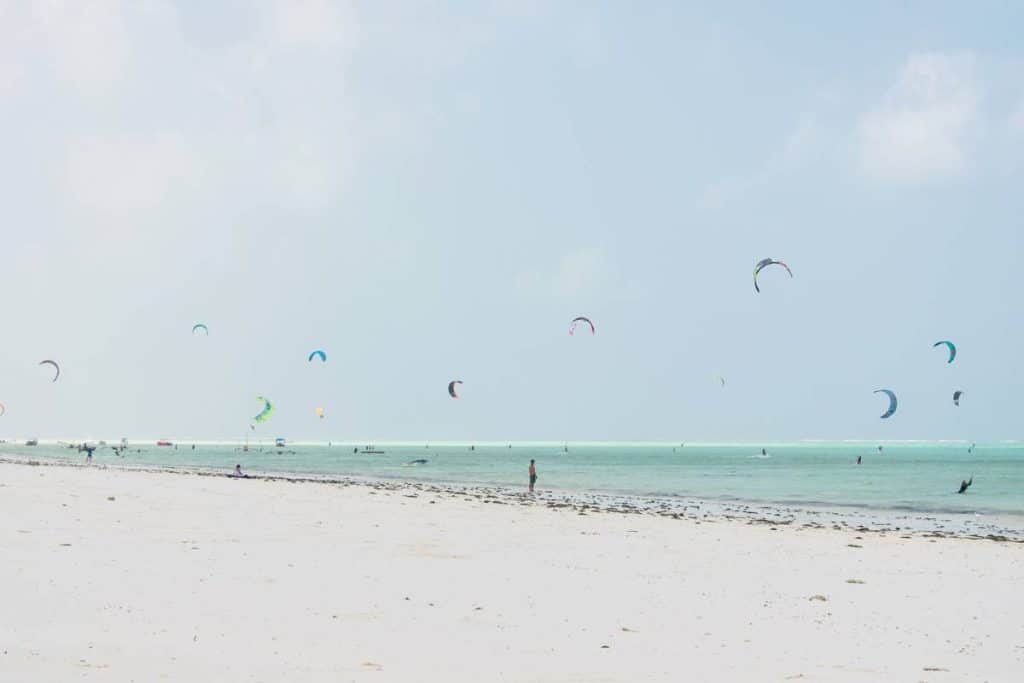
(906, 476)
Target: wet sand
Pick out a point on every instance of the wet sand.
(120, 575)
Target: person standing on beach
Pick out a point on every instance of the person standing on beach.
(533, 475)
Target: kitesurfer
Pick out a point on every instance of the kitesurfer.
(964, 485)
(858, 459)
(533, 475)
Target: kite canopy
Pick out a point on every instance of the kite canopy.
(200, 326)
(892, 402)
(581, 319)
(55, 367)
(951, 346)
(264, 414)
(320, 413)
(451, 387)
(722, 380)
(320, 354)
(764, 263)
(956, 397)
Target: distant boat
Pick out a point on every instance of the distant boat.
(164, 443)
(371, 450)
(32, 442)
(279, 442)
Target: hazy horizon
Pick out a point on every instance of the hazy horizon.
(432, 191)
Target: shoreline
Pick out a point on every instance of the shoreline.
(974, 526)
(116, 575)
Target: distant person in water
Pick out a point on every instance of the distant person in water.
(966, 484)
(533, 475)
(764, 452)
(858, 459)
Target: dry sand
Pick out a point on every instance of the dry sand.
(113, 575)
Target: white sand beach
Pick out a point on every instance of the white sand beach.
(112, 575)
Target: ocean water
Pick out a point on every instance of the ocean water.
(916, 476)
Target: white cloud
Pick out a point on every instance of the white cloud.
(307, 173)
(580, 271)
(313, 23)
(122, 174)
(13, 45)
(921, 131)
(87, 41)
(805, 144)
(1017, 119)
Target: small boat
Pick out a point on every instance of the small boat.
(32, 442)
(370, 450)
(164, 443)
(279, 442)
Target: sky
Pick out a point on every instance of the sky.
(431, 191)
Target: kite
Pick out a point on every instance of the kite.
(952, 349)
(201, 326)
(264, 414)
(956, 397)
(320, 354)
(451, 387)
(55, 367)
(320, 413)
(572, 325)
(764, 263)
(892, 402)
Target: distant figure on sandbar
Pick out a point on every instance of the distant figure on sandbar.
(533, 475)
(964, 485)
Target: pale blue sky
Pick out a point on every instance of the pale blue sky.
(432, 190)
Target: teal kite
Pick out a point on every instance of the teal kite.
(321, 354)
(892, 402)
(952, 349)
(200, 326)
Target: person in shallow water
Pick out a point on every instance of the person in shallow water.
(533, 475)
(858, 459)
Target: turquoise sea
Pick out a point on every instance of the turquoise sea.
(917, 476)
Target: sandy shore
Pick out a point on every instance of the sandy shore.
(139, 576)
